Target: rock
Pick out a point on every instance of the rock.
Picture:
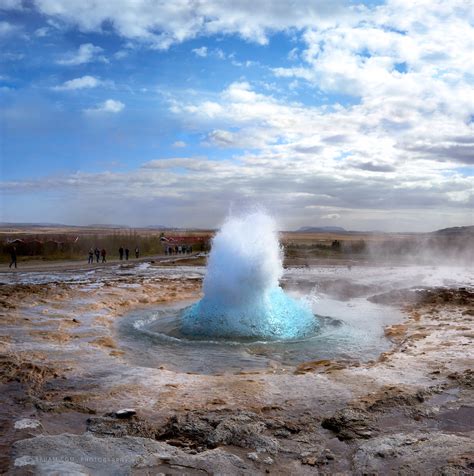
(125, 413)
(319, 457)
(267, 460)
(350, 423)
(27, 423)
(329, 455)
(464, 379)
(61, 406)
(312, 366)
(310, 460)
(414, 453)
(109, 425)
(211, 429)
(86, 454)
(253, 456)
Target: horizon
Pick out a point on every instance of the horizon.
(326, 113)
(123, 226)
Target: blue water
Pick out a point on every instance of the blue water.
(272, 316)
(242, 295)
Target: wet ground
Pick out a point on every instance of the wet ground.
(387, 389)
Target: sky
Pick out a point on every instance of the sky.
(179, 112)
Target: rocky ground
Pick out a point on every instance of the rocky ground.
(64, 380)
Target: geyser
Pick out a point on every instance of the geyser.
(242, 296)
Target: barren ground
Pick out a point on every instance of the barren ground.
(64, 376)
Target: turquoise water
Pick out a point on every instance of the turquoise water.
(347, 331)
(242, 295)
(273, 316)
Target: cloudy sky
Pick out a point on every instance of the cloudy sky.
(173, 112)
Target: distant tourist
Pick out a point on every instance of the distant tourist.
(121, 253)
(103, 254)
(97, 254)
(91, 256)
(137, 252)
(13, 257)
(127, 252)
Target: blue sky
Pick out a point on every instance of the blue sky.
(327, 113)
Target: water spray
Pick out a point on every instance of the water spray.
(242, 295)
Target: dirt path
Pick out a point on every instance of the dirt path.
(74, 265)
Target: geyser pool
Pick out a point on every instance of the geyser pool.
(242, 295)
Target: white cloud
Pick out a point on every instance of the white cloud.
(162, 23)
(8, 29)
(293, 54)
(121, 54)
(11, 4)
(179, 143)
(218, 53)
(202, 51)
(349, 158)
(86, 53)
(42, 32)
(108, 106)
(85, 82)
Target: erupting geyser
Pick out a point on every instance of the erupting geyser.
(242, 296)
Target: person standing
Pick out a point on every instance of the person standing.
(97, 254)
(127, 252)
(91, 256)
(137, 252)
(104, 254)
(121, 253)
(13, 257)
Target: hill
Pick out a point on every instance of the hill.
(321, 229)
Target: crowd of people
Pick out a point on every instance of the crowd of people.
(178, 250)
(101, 255)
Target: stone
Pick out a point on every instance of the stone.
(413, 453)
(76, 455)
(350, 423)
(26, 423)
(125, 413)
(211, 429)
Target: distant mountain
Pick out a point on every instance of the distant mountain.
(98, 225)
(456, 230)
(322, 229)
(30, 225)
(159, 227)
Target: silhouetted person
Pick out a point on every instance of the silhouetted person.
(121, 253)
(103, 254)
(13, 257)
(91, 256)
(97, 254)
(137, 252)
(127, 252)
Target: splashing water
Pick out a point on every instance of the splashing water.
(242, 296)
